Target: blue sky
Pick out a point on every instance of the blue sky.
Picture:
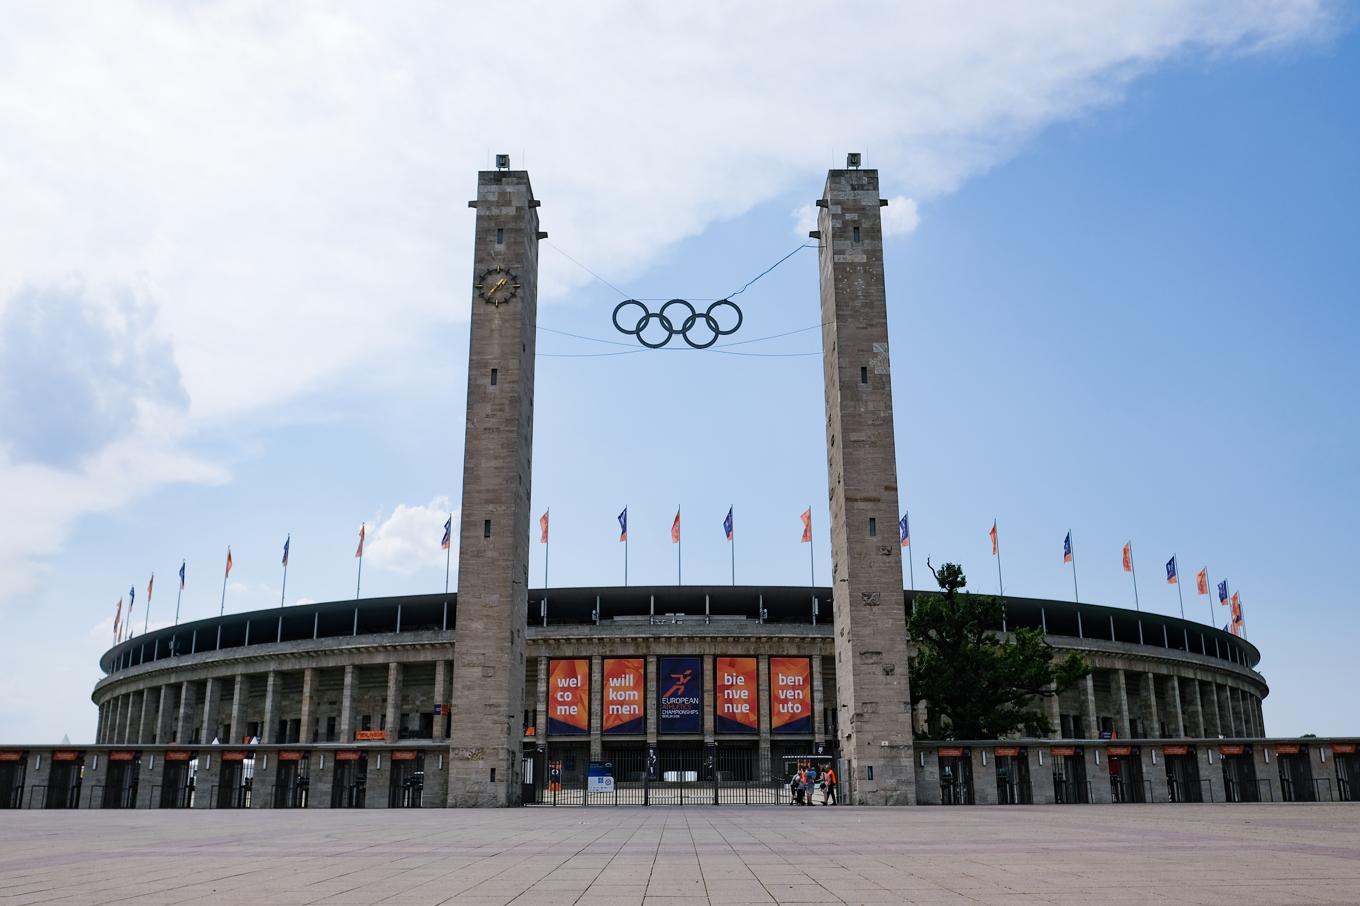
(1127, 310)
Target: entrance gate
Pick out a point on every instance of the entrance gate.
(11, 780)
(120, 784)
(675, 774)
(407, 786)
(63, 783)
(235, 780)
(349, 789)
(291, 783)
(1182, 774)
(177, 787)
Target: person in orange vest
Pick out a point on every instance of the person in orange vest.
(830, 785)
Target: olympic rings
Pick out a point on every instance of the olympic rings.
(707, 336)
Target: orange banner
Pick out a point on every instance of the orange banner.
(790, 695)
(370, 735)
(736, 695)
(569, 696)
(625, 683)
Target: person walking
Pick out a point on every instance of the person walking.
(830, 785)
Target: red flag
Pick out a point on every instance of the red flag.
(992, 535)
(543, 528)
(807, 526)
(149, 586)
(1128, 557)
(228, 561)
(675, 528)
(1202, 581)
(360, 551)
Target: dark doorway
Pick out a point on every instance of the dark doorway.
(1347, 776)
(291, 783)
(1182, 774)
(956, 776)
(406, 788)
(177, 787)
(12, 782)
(63, 782)
(1239, 774)
(1012, 777)
(1296, 774)
(120, 784)
(349, 788)
(1124, 764)
(234, 782)
(1069, 776)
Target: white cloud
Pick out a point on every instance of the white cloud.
(900, 217)
(287, 185)
(408, 540)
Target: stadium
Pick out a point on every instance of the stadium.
(500, 695)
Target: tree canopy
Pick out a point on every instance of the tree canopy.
(980, 684)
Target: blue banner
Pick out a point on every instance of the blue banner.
(680, 695)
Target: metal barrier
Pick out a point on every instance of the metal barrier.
(1014, 792)
(1321, 784)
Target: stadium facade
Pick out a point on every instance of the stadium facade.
(499, 695)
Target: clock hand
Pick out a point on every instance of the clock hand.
(499, 284)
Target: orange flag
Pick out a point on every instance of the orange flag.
(992, 535)
(807, 525)
(228, 561)
(359, 552)
(1202, 581)
(1128, 557)
(675, 528)
(543, 528)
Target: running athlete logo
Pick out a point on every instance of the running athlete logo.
(681, 682)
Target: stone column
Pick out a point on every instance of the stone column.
(1150, 711)
(306, 736)
(541, 705)
(652, 704)
(163, 710)
(709, 697)
(1196, 722)
(238, 704)
(763, 707)
(271, 689)
(1177, 715)
(984, 775)
(1260, 714)
(1217, 716)
(1053, 707)
(1122, 702)
(441, 697)
(1088, 707)
(184, 721)
(393, 700)
(596, 707)
(818, 699)
(346, 732)
(212, 695)
(143, 734)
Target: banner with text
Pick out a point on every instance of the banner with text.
(790, 695)
(680, 695)
(625, 682)
(569, 696)
(736, 695)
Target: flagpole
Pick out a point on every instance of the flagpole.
(733, 543)
(178, 595)
(448, 555)
(1180, 595)
(359, 578)
(286, 544)
(223, 609)
(679, 545)
(146, 620)
(1208, 593)
(812, 562)
(547, 546)
(1076, 599)
(1001, 586)
(1133, 571)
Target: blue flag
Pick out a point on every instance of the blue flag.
(448, 534)
(132, 598)
(1171, 571)
(286, 542)
(623, 525)
(183, 563)
(904, 529)
(1223, 592)
(727, 524)
(1067, 548)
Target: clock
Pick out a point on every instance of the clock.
(497, 285)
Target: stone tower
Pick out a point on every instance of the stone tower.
(874, 716)
(493, 552)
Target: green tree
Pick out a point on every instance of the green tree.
(979, 684)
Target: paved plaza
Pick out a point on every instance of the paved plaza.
(1206, 854)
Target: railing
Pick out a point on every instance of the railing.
(15, 799)
(955, 792)
(1014, 792)
(1069, 792)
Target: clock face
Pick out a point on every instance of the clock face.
(497, 285)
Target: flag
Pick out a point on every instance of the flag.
(807, 526)
(675, 528)
(183, 563)
(1223, 593)
(228, 562)
(727, 524)
(359, 551)
(448, 534)
(1067, 548)
(286, 543)
(623, 525)
(992, 535)
(1237, 620)
(1202, 581)
(1171, 578)
(150, 585)
(905, 529)
(543, 528)
(1128, 556)
(132, 597)
(117, 619)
